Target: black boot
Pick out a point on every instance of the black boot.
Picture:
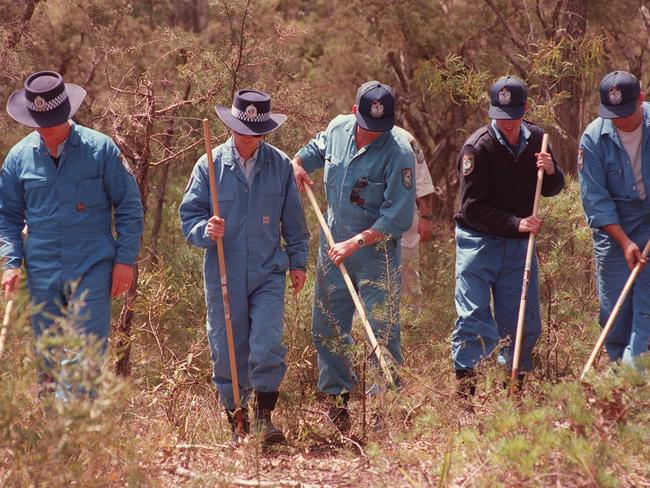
(519, 383)
(264, 405)
(339, 413)
(233, 424)
(466, 379)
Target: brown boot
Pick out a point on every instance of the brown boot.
(264, 406)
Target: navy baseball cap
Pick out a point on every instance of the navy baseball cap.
(619, 95)
(375, 106)
(508, 97)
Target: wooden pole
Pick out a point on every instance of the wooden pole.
(524, 289)
(617, 308)
(238, 414)
(5, 324)
(348, 282)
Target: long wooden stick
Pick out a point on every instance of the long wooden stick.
(524, 288)
(348, 282)
(238, 414)
(617, 308)
(5, 324)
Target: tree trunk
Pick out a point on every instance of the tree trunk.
(160, 204)
(123, 346)
(162, 190)
(569, 113)
(124, 327)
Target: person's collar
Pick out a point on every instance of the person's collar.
(524, 134)
(238, 156)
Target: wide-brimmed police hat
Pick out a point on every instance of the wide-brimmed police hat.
(46, 101)
(250, 113)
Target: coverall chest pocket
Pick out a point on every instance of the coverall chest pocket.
(373, 194)
(36, 194)
(331, 171)
(91, 193)
(616, 179)
(226, 202)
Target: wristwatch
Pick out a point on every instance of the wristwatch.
(427, 217)
(361, 242)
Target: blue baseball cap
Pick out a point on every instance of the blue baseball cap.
(619, 95)
(375, 106)
(508, 97)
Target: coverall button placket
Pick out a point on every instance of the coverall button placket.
(256, 288)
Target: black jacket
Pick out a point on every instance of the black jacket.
(497, 190)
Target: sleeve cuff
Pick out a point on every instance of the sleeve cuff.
(298, 262)
(126, 260)
(602, 219)
(515, 223)
(387, 229)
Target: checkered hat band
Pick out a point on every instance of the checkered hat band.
(47, 106)
(243, 116)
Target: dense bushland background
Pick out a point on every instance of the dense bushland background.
(153, 70)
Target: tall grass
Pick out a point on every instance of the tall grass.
(163, 426)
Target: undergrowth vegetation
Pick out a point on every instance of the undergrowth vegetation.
(163, 426)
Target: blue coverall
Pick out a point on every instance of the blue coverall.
(372, 187)
(609, 196)
(497, 184)
(68, 210)
(257, 214)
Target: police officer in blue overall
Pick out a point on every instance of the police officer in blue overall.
(259, 204)
(67, 183)
(614, 171)
(497, 168)
(369, 171)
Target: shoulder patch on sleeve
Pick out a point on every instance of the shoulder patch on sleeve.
(581, 158)
(407, 178)
(468, 164)
(417, 150)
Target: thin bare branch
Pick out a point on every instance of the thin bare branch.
(542, 20)
(240, 54)
(511, 31)
(176, 154)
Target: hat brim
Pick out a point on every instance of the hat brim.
(617, 111)
(506, 113)
(17, 108)
(383, 124)
(250, 128)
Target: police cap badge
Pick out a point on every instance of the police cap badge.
(377, 109)
(504, 96)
